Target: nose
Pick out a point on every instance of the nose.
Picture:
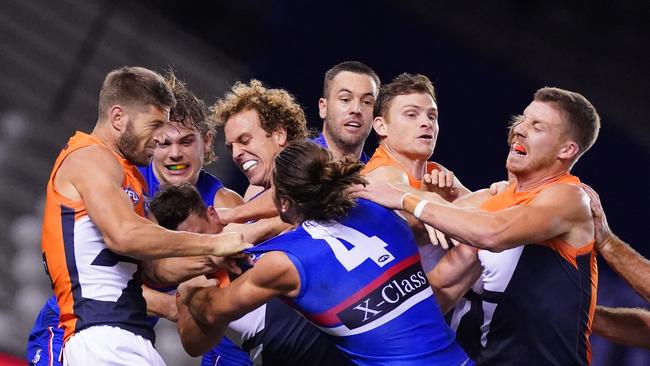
(356, 106)
(175, 152)
(236, 151)
(519, 129)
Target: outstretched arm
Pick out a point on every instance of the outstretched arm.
(627, 262)
(629, 327)
(207, 312)
(95, 177)
(561, 210)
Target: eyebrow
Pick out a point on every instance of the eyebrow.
(418, 107)
(345, 90)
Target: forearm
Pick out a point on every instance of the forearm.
(629, 264)
(259, 231)
(477, 228)
(630, 327)
(259, 208)
(196, 339)
(178, 269)
(142, 239)
(454, 275)
(160, 304)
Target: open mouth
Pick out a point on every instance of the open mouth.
(426, 137)
(519, 149)
(176, 167)
(248, 165)
(353, 124)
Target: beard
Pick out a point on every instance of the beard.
(342, 139)
(129, 146)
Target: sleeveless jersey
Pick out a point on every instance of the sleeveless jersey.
(539, 298)
(382, 158)
(207, 184)
(320, 140)
(363, 284)
(92, 284)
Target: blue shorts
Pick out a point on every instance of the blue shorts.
(226, 353)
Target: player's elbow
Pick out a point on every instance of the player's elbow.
(492, 239)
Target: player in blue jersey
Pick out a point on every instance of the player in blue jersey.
(349, 92)
(183, 149)
(259, 123)
(351, 268)
(273, 334)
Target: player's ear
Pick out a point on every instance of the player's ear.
(379, 125)
(117, 117)
(322, 108)
(569, 150)
(280, 136)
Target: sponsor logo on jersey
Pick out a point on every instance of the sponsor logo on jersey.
(133, 196)
(388, 296)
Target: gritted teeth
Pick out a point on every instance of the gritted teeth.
(177, 166)
(248, 165)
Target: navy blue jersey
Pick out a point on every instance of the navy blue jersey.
(361, 282)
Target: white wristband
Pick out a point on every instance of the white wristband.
(401, 201)
(419, 208)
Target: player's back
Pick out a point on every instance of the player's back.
(362, 283)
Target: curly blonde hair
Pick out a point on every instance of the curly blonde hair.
(276, 108)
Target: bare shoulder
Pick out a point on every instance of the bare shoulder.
(275, 270)
(227, 198)
(568, 198)
(86, 167)
(388, 174)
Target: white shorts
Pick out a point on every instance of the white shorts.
(106, 345)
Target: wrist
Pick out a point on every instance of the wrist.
(413, 204)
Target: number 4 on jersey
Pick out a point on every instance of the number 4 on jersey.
(364, 247)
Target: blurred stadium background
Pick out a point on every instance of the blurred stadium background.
(485, 58)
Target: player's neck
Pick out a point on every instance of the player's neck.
(413, 166)
(103, 134)
(339, 152)
(529, 182)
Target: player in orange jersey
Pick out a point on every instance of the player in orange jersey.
(538, 262)
(95, 236)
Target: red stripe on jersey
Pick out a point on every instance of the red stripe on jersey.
(330, 317)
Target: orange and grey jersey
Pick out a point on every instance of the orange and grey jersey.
(538, 299)
(92, 284)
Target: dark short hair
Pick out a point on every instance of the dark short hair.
(190, 112)
(315, 183)
(582, 117)
(134, 86)
(350, 66)
(402, 84)
(276, 108)
(173, 204)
